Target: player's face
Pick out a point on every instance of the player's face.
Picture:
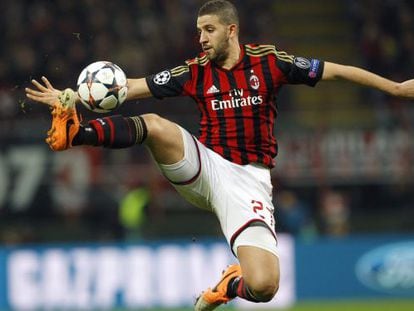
(214, 37)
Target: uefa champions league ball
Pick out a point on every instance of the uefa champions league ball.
(102, 86)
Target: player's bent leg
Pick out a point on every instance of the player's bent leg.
(164, 139)
(260, 274)
(257, 277)
(183, 174)
(257, 251)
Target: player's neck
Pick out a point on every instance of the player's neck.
(233, 56)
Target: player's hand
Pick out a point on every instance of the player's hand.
(45, 94)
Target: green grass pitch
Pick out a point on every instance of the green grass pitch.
(363, 305)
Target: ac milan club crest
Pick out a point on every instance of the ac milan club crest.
(254, 81)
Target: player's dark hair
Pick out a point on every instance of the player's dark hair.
(225, 10)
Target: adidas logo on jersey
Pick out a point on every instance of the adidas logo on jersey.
(213, 90)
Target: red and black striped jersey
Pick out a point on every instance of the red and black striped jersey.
(238, 106)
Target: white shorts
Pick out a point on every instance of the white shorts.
(240, 195)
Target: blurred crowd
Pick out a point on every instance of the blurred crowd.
(58, 38)
(384, 33)
(384, 30)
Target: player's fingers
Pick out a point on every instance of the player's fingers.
(39, 86)
(34, 97)
(38, 99)
(33, 92)
(47, 83)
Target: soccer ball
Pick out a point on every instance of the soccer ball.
(102, 86)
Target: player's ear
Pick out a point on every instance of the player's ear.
(233, 30)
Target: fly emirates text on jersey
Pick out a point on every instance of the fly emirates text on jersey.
(236, 100)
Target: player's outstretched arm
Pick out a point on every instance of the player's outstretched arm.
(45, 94)
(364, 77)
(138, 88)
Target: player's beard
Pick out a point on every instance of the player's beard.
(221, 51)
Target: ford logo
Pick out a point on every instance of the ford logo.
(389, 269)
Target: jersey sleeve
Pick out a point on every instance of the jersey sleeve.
(300, 70)
(169, 83)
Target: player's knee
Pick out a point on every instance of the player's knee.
(155, 125)
(264, 287)
(265, 292)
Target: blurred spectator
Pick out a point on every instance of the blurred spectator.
(293, 215)
(334, 212)
(132, 212)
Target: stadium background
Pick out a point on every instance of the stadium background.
(345, 169)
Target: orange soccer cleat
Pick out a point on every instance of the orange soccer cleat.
(65, 122)
(212, 298)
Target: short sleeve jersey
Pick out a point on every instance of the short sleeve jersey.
(238, 106)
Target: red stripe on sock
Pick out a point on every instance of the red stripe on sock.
(243, 291)
(99, 130)
(240, 291)
(112, 130)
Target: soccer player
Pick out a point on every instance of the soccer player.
(226, 169)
